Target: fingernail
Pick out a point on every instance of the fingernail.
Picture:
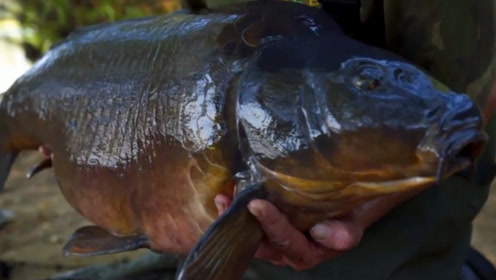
(220, 204)
(320, 232)
(255, 208)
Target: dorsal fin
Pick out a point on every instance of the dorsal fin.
(44, 164)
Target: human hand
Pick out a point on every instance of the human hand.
(285, 245)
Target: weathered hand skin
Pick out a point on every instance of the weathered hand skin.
(148, 120)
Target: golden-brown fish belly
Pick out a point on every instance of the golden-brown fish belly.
(166, 195)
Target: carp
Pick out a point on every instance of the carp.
(145, 121)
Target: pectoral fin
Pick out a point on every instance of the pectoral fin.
(46, 163)
(228, 246)
(93, 240)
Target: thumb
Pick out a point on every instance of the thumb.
(337, 235)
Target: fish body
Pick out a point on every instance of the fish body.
(147, 120)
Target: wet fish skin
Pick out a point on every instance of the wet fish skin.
(148, 120)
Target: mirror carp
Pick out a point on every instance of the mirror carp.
(145, 121)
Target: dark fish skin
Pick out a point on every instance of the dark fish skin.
(148, 120)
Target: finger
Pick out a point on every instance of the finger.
(222, 202)
(269, 253)
(346, 233)
(266, 252)
(339, 234)
(282, 235)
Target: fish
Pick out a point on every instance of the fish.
(145, 121)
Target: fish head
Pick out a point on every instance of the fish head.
(337, 120)
(388, 121)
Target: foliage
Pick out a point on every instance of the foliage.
(44, 22)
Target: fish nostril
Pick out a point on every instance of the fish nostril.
(468, 112)
(398, 73)
(462, 114)
(403, 76)
(468, 117)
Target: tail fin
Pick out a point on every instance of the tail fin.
(6, 161)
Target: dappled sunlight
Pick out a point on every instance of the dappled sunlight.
(13, 62)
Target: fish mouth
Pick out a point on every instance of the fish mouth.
(462, 151)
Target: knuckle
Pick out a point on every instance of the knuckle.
(278, 232)
(281, 243)
(273, 219)
(269, 220)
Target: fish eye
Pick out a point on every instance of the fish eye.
(368, 78)
(365, 83)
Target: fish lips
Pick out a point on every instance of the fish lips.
(462, 149)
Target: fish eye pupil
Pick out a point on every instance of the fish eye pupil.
(367, 77)
(365, 82)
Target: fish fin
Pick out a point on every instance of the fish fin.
(6, 161)
(228, 246)
(94, 240)
(46, 163)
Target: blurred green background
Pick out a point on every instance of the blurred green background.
(45, 22)
(31, 244)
